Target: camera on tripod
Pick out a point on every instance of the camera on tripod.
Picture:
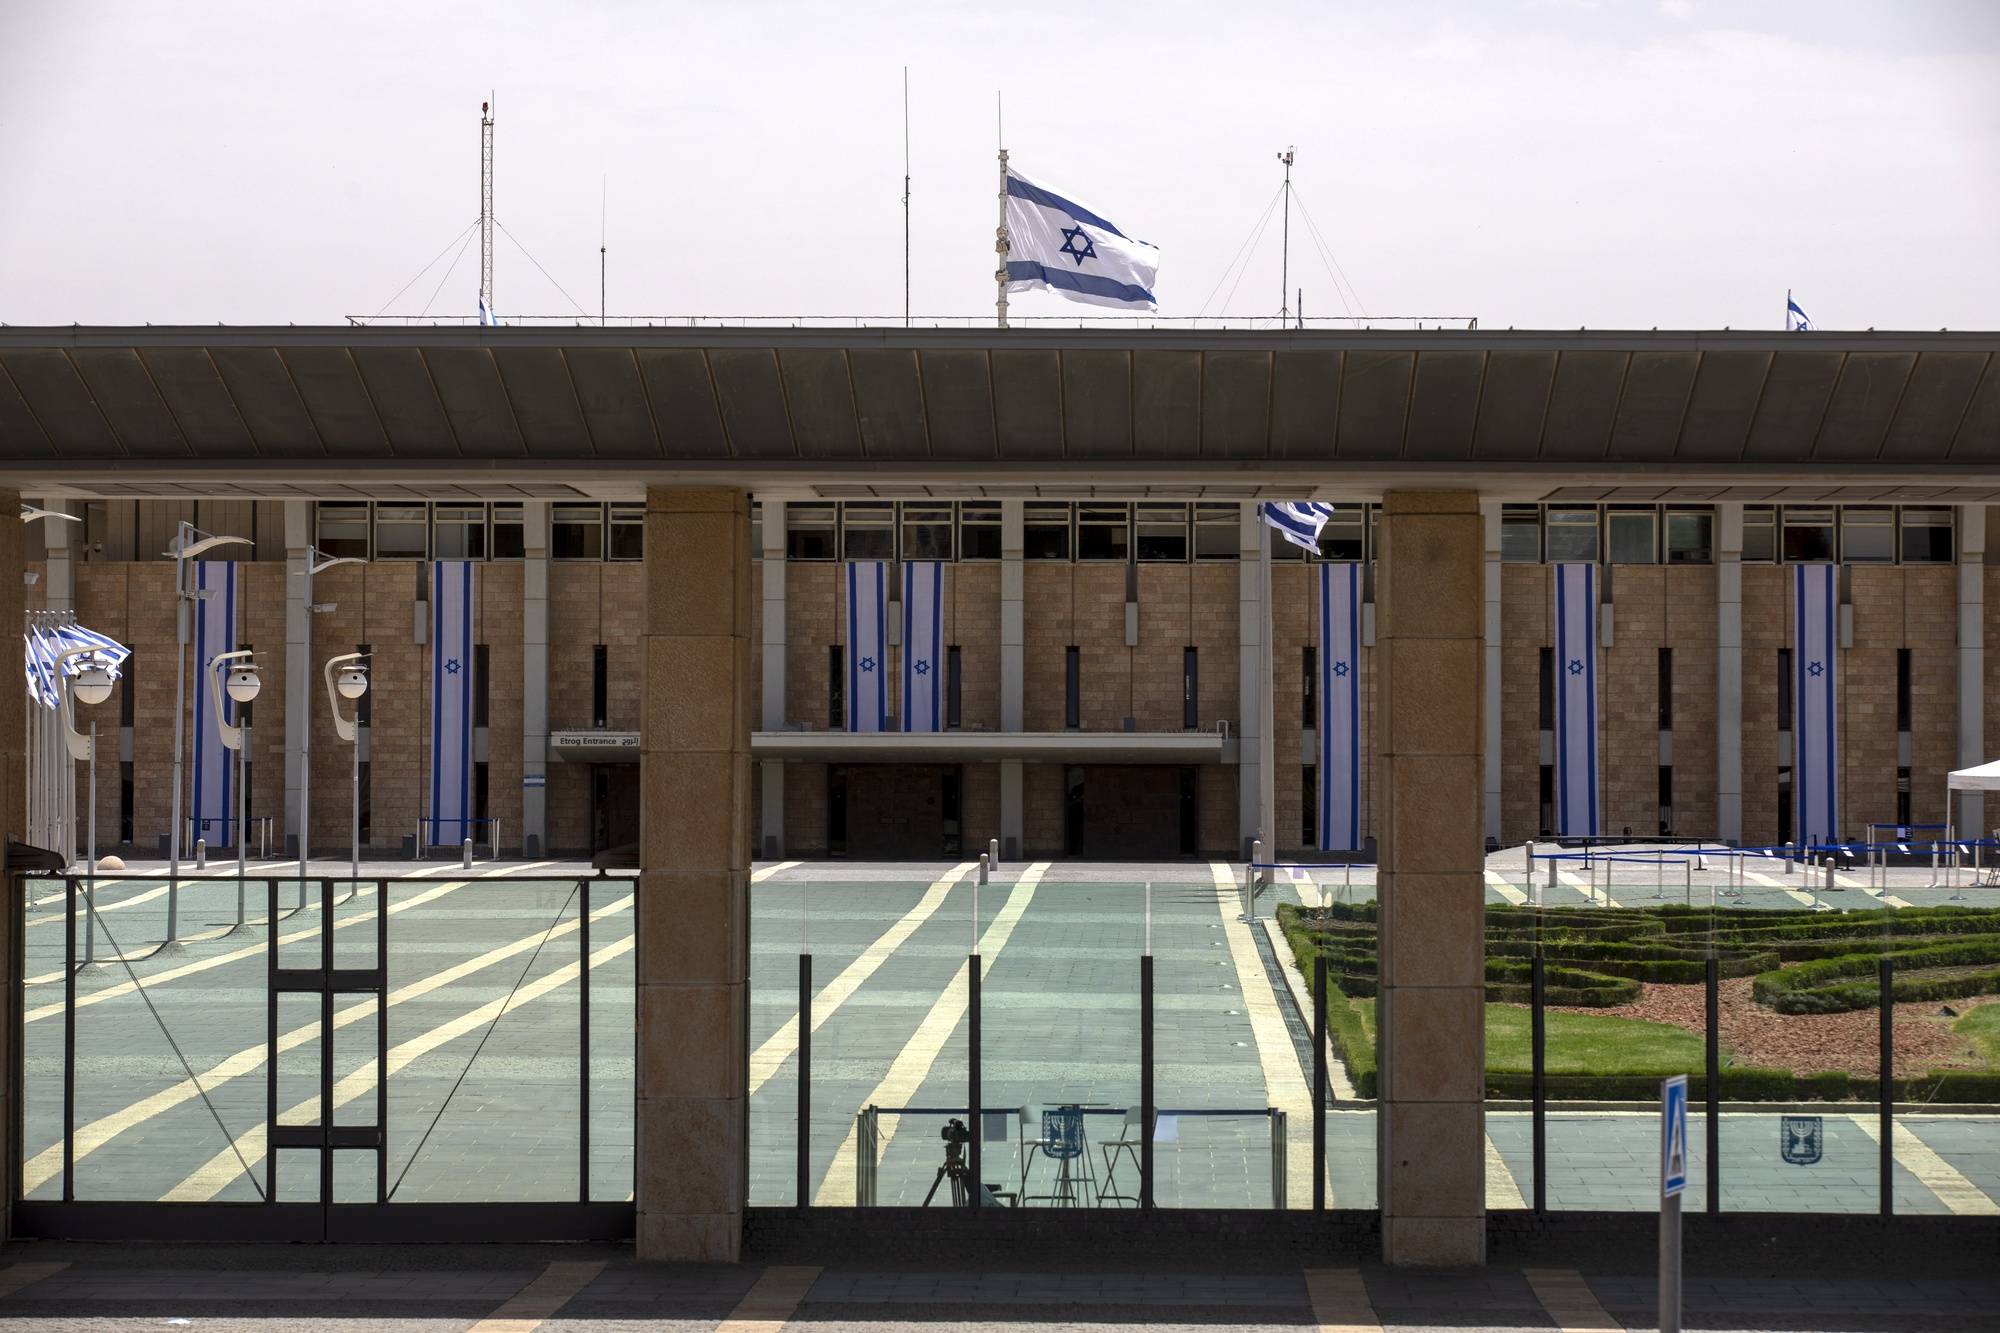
(956, 1135)
(954, 1169)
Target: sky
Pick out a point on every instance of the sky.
(1533, 163)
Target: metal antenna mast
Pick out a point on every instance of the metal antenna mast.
(1285, 260)
(603, 215)
(486, 205)
(906, 196)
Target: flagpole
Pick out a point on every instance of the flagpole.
(1267, 749)
(1000, 245)
(1788, 310)
(906, 196)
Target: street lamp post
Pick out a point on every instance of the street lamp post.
(243, 687)
(350, 683)
(189, 542)
(316, 562)
(90, 685)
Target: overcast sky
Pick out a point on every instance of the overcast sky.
(1536, 163)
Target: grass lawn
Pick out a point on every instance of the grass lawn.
(1983, 1026)
(1592, 1044)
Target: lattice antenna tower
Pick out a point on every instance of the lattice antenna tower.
(486, 202)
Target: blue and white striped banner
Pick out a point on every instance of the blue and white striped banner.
(450, 820)
(1815, 739)
(923, 648)
(214, 806)
(1576, 700)
(867, 645)
(1339, 707)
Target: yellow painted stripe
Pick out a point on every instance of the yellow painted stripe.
(209, 1179)
(1340, 1301)
(16, 1277)
(1568, 1299)
(44, 1166)
(1507, 892)
(759, 876)
(1502, 1191)
(1935, 1174)
(1583, 886)
(1768, 882)
(526, 1309)
(768, 1058)
(912, 1064)
(102, 906)
(1285, 1084)
(770, 1304)
(1336, 1072)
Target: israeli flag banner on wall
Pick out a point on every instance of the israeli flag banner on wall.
(1339, 707)
(1815, 740)
(923, 648)
(214, 806)
(867, 645)
(450, 820)
(1576, 700)
(1060, 245)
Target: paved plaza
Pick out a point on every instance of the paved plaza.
(487, 1074)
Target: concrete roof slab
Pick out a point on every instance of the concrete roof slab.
(130, 401)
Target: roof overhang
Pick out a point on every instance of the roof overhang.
(932, 747)
(554, 412)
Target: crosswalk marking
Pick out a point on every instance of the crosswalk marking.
(1502, 1190)
(1340, 1301)
(771, 1302)
(1508, 893)
(1938, 1176)
(1568, 1300)
(533, 1305)
(1768, 882)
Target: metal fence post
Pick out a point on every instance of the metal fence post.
(1887, 1074)
(69, 1040)
(1278, 1200)
(972, 1077)
(1538, 1056)
(1146, 1110)
(583, 1048)
(1713, 1025)
(1319, 1081)
(803, 1136)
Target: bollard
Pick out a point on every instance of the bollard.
(985, 867)
(1788, 858)
(201, 853)
(1530, 849)
(1250, 877)
(993, 852)
(465, 855)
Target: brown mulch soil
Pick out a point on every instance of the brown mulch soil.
(1810, 1043)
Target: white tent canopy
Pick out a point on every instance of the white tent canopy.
(1986, 777)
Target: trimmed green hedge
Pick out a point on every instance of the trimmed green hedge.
(1846, 982)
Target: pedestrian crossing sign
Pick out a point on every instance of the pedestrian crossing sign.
(1673, 1135)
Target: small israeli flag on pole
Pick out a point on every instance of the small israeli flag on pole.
(1796, 320)
(486, 315)
(1057, 244)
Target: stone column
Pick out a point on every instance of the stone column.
(772, 713)
(1489, 523)
(1432, 1006)
(299, 676)
(1251, 730)
(534, 677)
(694, 892)
(59, 582)
(13, 810)
(1969, 811)
(1013, 669)
(1729, 672)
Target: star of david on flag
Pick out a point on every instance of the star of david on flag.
(1058, 244)
(451, 666)
(867, 664)
(1575, 667)
(1816, 669)
(921, 667)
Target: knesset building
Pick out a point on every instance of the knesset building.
(668, 533)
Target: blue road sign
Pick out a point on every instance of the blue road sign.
(1673, 1136)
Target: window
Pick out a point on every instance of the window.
(628, 533)
(926, 532)
(1190, 689)
(1345, 536)
(576, 532)
(1926, 535)
(1903, 694)
(1808, 534)
(1666, 800)
(1690, 537)
(1217, 528)
(1546, 691)
(1045, 531)
(1868, 536)
(1073, 811)
(1548, 799)
(364, 707)
(1310, 716)
(1903, 795)
(1521, 534)
(1633, 533)
(399, 532)
(1163, 532)
(954, 684)
(458, 532)
(868, 531)
(1103, 532)
(1572, 536)
(1309, 805)
(836, 697)
(1072, 686)
(482, 693)
(1784, 689)
(1666, 689)
(810, 532)
(756, 528)
(600, 686)
(128, 694)
(979, 530)
(343, 530)
(1760, 533)
(951, 810)
(125, 803)
(509, 533)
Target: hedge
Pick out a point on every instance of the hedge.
(1847, 982)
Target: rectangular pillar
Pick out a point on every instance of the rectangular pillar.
(772, 712)
(1489, 523)
(693, 933)
(1969, 811)
(1013, 669)
(299, 674)
(534, 677)
(1251, 729)
(1729, 673)
(13, 811)
(1431, 1010)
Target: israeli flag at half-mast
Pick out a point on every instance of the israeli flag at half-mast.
(1339, 707)
(867, 645)
(1815, 737)
(450, 821)
(923, 650)
(1058, 244)
(213, 808)
(1576, 700)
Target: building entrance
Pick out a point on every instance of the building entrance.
(893, 811)
(1131, 812)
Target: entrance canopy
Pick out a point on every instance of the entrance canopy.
(1986, 777)
(600, 413)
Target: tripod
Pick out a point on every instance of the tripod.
(953, 1169)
